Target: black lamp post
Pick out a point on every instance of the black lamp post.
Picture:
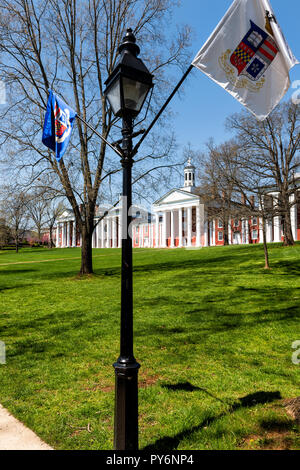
(126, 90)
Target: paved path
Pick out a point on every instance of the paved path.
(15, 436)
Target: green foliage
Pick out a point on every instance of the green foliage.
(213, 334)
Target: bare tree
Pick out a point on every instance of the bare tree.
(219, 191)
(248, 182)
(54, 210)
(71, 46)
(37, 206)
(14, 209)
(269, 151)
(4, 233)
(235, 190)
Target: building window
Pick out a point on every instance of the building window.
(220, 236)
(254, 220)
(254, 235)
(185, 177)
(220, 224)
(190, 176)
(236, 222)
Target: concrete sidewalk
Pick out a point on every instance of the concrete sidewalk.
(15, 436)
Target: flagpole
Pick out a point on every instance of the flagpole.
(162, 109)
(99, 135)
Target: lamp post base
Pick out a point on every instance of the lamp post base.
(126, 405)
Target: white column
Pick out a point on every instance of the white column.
(93, 238)
(63, 235)
(156, 230)
(114, 232)
(74, 234)
(294, 217)
(97, 235)
(150, 233)
(120, 229)
(189, 226)
(108, 242)
(102, 234)
(247, 231)
(277, 229)
(141, 236)
(269, 230)
(198, 227)
(57, 235)
(164, 230)
(213, 233)
(205, 233)
(261, 234)
(172, 229)
(276, 222)
(180, 228)
(68, 234)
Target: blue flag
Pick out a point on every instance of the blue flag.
(59, 121)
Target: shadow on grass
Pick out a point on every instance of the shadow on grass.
(5, 272)
(291, 267)
(248, 401)
(183, 386)
(277, 425)
(17, 286)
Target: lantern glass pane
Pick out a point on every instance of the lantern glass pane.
(134, 94)
(114, 96)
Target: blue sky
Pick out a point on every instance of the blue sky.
(201, 112)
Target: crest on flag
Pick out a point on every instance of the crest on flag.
(255, 53)
(62, 123)
(251, 58)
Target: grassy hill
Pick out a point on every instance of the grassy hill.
(213, 335)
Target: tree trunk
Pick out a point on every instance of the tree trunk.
(50, 242)
(288, 239)
(267, 264)
(249, 233)
(86, 252)
(225, 228)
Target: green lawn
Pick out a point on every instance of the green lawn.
(213, 335)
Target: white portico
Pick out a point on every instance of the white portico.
(66, 234)
(180, 215)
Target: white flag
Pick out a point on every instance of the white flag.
(248, 56)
